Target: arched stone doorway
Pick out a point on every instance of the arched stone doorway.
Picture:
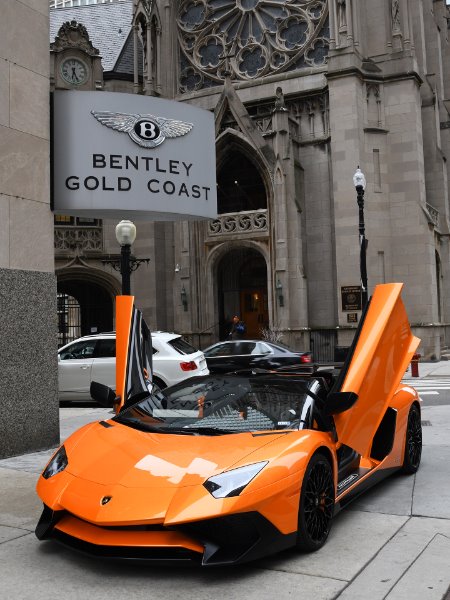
(242, 290)
(85, 304)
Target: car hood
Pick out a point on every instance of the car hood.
(120, 455)
(120, 476)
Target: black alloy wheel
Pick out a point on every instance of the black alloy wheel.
(413, 442)
(316, 504)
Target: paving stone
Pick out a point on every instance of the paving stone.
(429, 576)
(394, 560)
(39, 571)
(355, 539)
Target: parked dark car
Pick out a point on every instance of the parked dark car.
(235, 355)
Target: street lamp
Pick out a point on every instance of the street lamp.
(125, 235)
(359, 181)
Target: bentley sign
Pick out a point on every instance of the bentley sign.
(124, 155)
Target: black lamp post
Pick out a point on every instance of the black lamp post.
(359, 181)
(125, 235)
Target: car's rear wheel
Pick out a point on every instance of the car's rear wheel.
(413, 442)
(316, 504)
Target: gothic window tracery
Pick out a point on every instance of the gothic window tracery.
(248, 39)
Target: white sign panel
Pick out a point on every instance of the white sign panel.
(130, 156)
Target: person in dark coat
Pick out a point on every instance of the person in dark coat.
(237, 329)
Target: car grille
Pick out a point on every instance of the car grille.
(163, 554)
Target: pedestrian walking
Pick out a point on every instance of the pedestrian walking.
(237, 329)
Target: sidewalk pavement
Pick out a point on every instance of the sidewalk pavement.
(392, 543)
(431, 370)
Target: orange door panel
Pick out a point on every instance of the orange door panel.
(383, 351)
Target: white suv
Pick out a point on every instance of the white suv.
(93, 358)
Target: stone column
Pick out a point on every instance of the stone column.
(135, 59)
(149, 74)
(28, 325)
(347, 152)
(158, 60)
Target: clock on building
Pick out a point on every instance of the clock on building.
(74, 71)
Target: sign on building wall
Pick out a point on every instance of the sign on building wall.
(128, 156)
(351, 297)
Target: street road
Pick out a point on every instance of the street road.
(391, 543)
(433, 392)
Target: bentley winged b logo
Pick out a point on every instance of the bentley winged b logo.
(147, 131)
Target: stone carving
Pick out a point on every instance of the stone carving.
(248, 39)
(395, 15)
(433, 214)
(342, 16)
(310, 118)
(73, 35)
(373, 100)
(279, 100)
(242, 222)
(73, 239)
(147, 4)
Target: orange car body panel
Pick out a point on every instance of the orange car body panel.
(175, 473)
(383, 351)
(124, 312)
(95, 535)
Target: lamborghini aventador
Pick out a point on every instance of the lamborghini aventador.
(227, 468)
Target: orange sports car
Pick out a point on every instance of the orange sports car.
(225, 469)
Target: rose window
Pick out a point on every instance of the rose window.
(249, 38)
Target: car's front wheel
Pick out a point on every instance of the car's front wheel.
(413, 442)
(316, 504)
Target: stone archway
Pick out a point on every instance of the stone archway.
(85, 302)
(242, 290)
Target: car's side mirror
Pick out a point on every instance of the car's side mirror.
(102, 394)
(339, 402)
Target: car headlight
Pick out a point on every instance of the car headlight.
(58, 463)
(231, 483)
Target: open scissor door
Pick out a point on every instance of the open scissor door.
(133, 352)
(382, 353)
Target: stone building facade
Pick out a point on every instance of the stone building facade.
(28, 343)
(302, 92)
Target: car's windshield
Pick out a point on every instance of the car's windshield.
(225, 404)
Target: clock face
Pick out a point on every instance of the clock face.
(74, 71)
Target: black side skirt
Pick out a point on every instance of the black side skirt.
(363, 486)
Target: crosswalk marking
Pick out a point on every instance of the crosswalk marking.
(428, 387)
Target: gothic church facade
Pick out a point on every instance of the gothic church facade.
(303, 92)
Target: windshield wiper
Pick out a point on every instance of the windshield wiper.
(137, 424)
(201, 430)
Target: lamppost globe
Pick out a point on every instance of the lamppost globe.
(359, 179)
(125, 233)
